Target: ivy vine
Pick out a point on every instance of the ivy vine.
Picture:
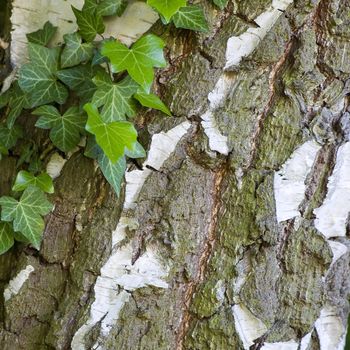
(110, 81)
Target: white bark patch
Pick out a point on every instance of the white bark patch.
(247, 325)
(55, 165)
(242, 46)
(162, 145)
(330, 329)
(288, 345)
(119, 276)
(28, 16)
(305, 341)
(289, 182)
(217, 141)
(136, 20)
(331, 216)
(17, 283)
(237, 48)
(338, 250)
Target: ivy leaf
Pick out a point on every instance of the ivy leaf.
(191, 17)
(26, 213)
(25, 179)
(92, 149)
(38, 77)
(113, 137)
(75, 51)
(137, 152)
(167, 8)
(65, 129)
(16, 100)
(139, 61)
(6, 237)
(79, 79)
(115, 98)
(112, 171)
(220, 3)
(90, 5)
(9, 137)
(111, 7)
(151, 101)
(42, 36)
(90, 23)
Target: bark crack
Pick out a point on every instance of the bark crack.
(204, 257)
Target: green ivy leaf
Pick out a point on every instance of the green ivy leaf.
(92, 149)
(137, 152)
(75, 51)
(111, 7)
(65, 129)
(38, 77)
(42, 36)
(79, 79)
(139, 61)
(167, 8)
(90, 23)
(16, 100)
(26, 213)
(9, 137)
(113, 137)
(90, 6)
(151, 101)
(115, 98)
(191, 17)
(112, 171)
(220, 3)
(25, 179)
(6, 237)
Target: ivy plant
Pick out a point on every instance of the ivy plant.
(84, 92)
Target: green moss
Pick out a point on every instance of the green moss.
(205, 302)
(282, 126)
(216, 333)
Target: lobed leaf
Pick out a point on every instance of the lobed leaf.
(25, 179)
(139, 61)
(65, 129)
(113, 137)
(38, 79)
(116, 99)
(90, 23)
(167, 8)
(191, 17)
(42, 36)
(27, 213)
(75, 51)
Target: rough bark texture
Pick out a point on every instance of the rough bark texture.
(210, 217)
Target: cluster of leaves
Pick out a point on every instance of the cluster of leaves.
(85, 88)
(183, 15)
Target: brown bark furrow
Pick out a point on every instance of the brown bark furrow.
(204, 257)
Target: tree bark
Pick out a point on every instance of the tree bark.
(234, 235)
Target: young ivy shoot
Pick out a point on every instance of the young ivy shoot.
(88, 88)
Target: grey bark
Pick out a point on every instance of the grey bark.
(211, 225)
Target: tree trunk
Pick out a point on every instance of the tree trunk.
(234, 235)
